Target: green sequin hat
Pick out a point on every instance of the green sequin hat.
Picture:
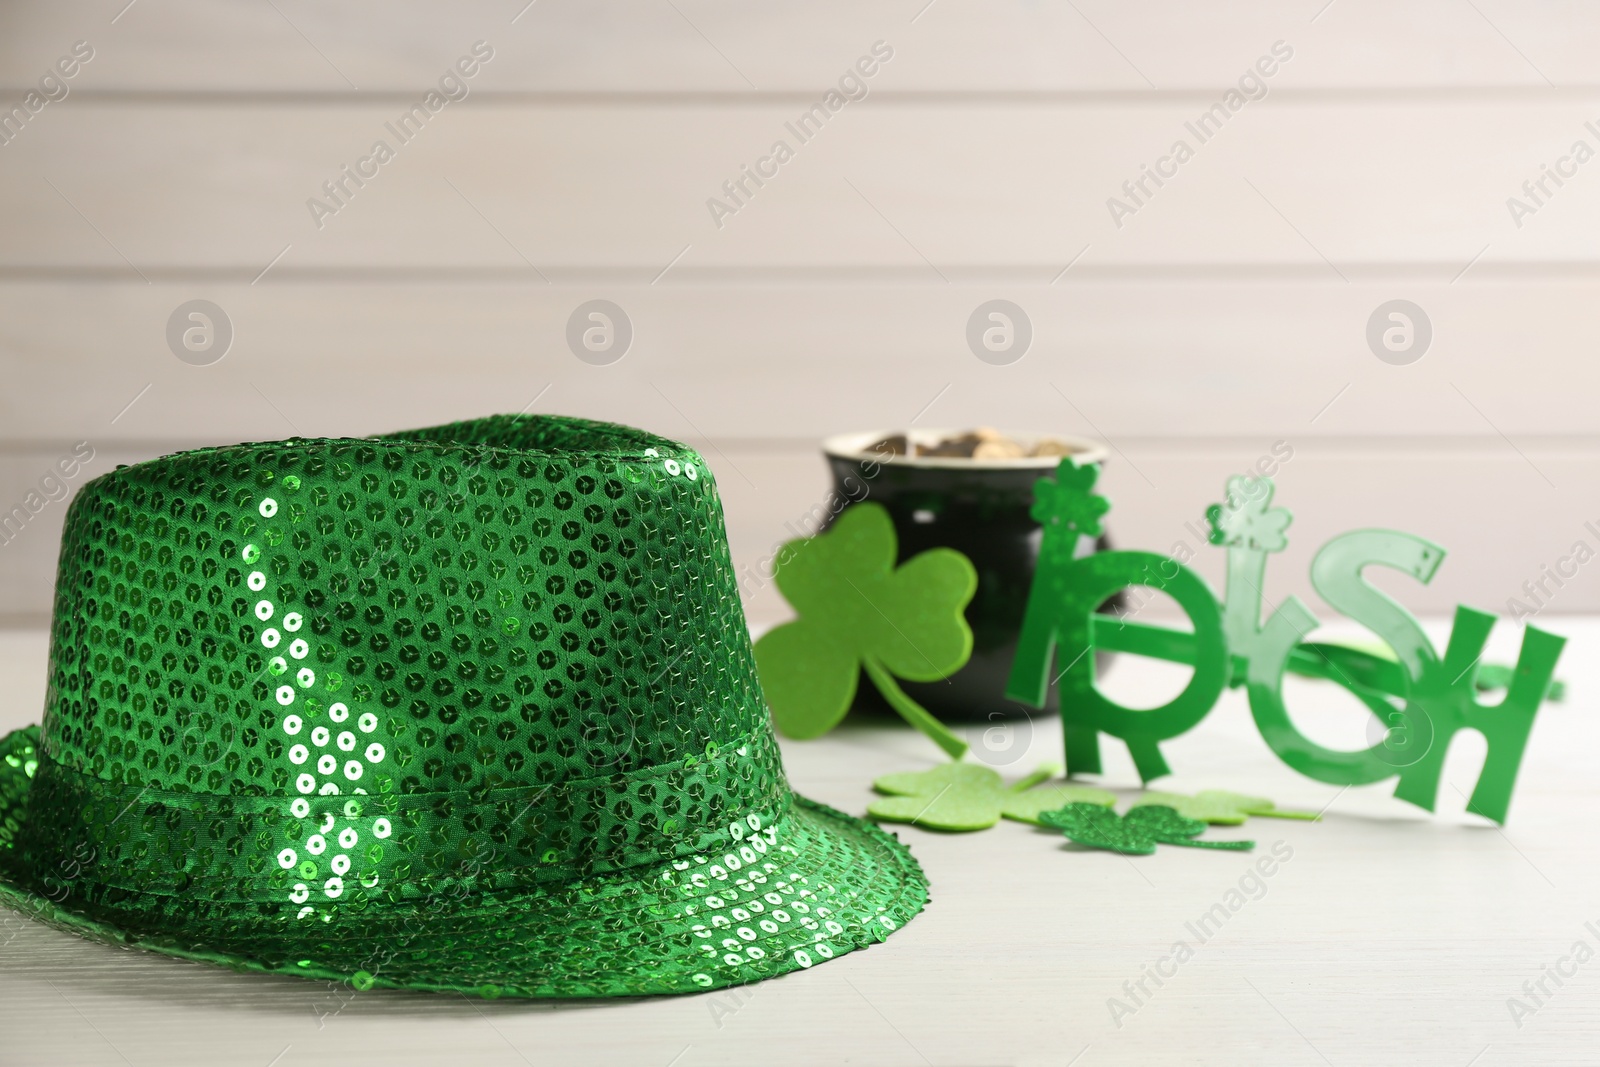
(466, 709)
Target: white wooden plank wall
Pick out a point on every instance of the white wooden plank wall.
(1226, 313)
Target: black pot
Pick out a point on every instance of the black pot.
(980, 508)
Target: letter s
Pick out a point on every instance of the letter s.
(883, 50)
(1336, 574)
(83, 50)
(483, 50)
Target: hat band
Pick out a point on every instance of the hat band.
(89, 833)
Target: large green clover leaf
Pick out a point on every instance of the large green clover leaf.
(1134, 834)
(968, 796)
(858, 611)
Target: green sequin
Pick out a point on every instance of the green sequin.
(307, 735)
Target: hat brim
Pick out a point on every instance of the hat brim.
(816, 884)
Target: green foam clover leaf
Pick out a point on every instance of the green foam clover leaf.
(858, 611)
(968, 796)
(1220, 807)
(1134, 834)
(1244, 518)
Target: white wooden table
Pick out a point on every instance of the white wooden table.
(1388, 937)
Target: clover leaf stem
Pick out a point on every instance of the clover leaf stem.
(1043, 774)
(912, 712)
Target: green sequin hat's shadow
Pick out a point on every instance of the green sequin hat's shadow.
(470, 709)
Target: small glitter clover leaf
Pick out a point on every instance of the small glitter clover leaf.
(1244, 520)
(1134, 834)
(1220, 807)
(1069, 503)
(858, 611)
(968, 796)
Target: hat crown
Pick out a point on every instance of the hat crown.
(516, 641)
